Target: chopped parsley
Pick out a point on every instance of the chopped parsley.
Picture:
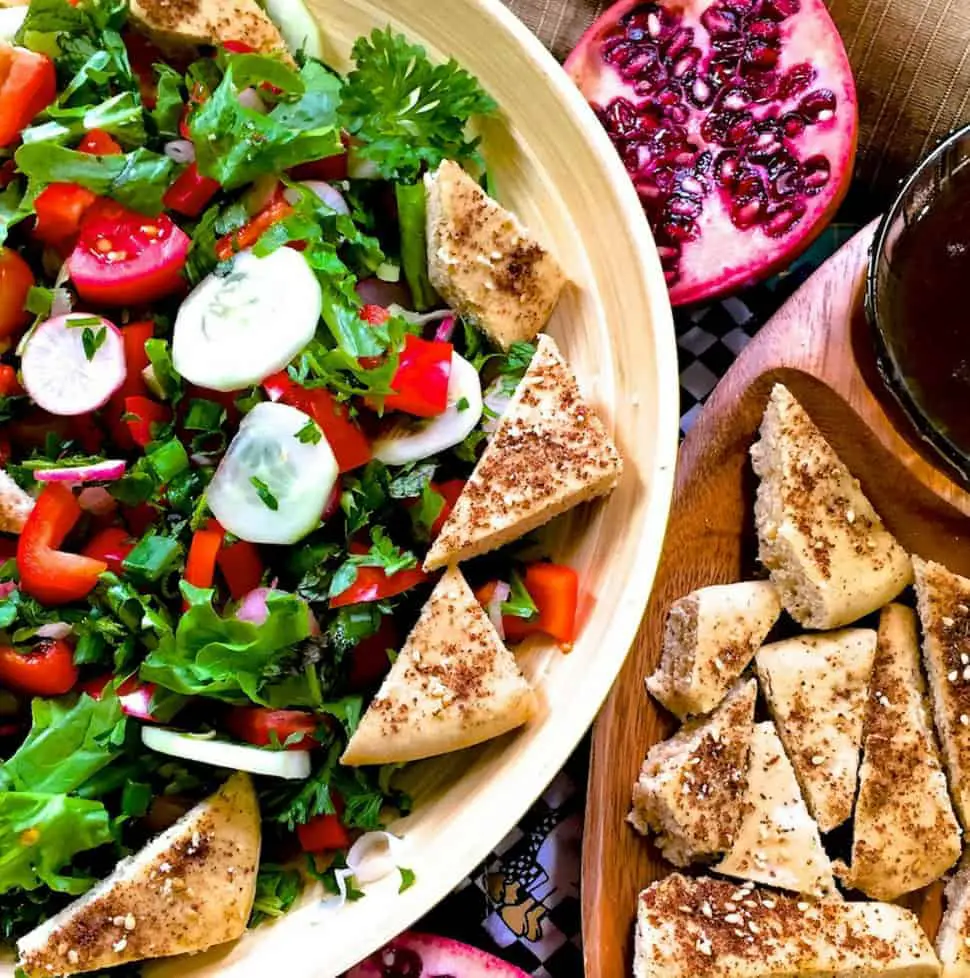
(265, 495)
(310, 433)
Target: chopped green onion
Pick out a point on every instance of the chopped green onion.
(152, 557)
(204, 415)
(168, 459)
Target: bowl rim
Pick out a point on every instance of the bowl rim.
(958, 461)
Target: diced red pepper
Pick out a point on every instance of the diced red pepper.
(112, 545)
(51, 575)
(323, 833)
(99, 143)
(278, 209)
(28, 84)
(421, 379)
(191, 192)
(555, 590)
(59, 208)
(347, 442)
(135, 336)
(241, 566)
(277, 385)
(145, 413)
(143, 56)
(368, 660)
(134, 696)
(9, 384)
(449, 492)
(45, 670)
(374, 584)
(200, 565)
(262, 727)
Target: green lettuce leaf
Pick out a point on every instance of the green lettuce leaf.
(41, 833)
(69, 742)
(225, 658)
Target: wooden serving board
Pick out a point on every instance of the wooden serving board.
(818, 345)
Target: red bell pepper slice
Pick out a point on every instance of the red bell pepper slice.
(325, 832)
(191, 192)
(555, 590)
(144, 414)
(99, 143)
(374, 584)
(278, 209)
(28, 84)
(111, 545)
(59, 208)
(262, 727)
(200, 565)
(421, 379)
(449, 492)
(134, 696)
(349, 444)
(51, 575)
(241, 566)
(45, 670)
(368, 660)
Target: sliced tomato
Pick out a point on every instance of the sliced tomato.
(191, 192)
(263, 727)
(374, 584)
(368, 660)
(143, 56)
(110, 545)
(28, 84)
(59, 208)
(16, 279)
(278, 209)
(323, 833)
(200, 565)
(241, 566)
(421, 379)
(99, 143)
(134, 696)
(45, 670)
(10, 386)
(142, 415)
(48, 574)
(555, 590)
(123, 257)
(348, 443)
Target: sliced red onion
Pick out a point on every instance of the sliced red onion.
(373, 856)
(496, 400)
(360, 168)
(330, 195)
(180, 150)
(374, 292)
(97, 500)
(249, 99)
(55, 630)
(106, 471)
(7, 587)
(252, 607)
(494, 607)
(445, 330)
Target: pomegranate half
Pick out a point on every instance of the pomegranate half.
(414, 955)
(737, 122)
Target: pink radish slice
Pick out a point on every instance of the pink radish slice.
(445, 330)
(252, 608)
(56, 370)
(423, 956)
(106, 471)
(332, 197)
(374, 292)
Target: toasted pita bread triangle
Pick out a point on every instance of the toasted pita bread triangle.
(828, 552)
(905, 833)
(777, 842)
(943, 601)
(816, 688)
(692, 787)
(549, 453)
(190, 888)
(454, 684)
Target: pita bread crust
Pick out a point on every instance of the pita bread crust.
(454, 684)
(15, 505)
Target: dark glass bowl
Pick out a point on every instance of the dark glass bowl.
(916, 196)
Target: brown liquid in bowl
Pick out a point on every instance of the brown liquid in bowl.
(927, 315)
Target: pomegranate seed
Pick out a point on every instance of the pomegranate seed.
(767, 142)
(796, 80)
(679, 42)
(682, 206)
(782, 219)
(733, 99)
(705, 164)
(818, 106)
(748, 186)
(681, 229)
(687, 62)
(700, 93)
(621, 117)
(746, 215)
(691, 185)
(671, 277)
(780, 9)
(719, 21)
(816, 171)
(792, 125)
(761, 56)
(728, 48)
(741, 131)
(726, 168)
(764, 30)
(665, 179)
(786, 182)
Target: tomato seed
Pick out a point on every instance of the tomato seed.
(103, 245)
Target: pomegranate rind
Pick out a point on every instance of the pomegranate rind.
(437, 955)
(719, 257)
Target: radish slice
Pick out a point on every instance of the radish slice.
(57, 371)
(55, 630)
(11, 20)
(234, 330)
(494, 607)
(106, 471)
(294, 765)
(409, 441)
(332, 197)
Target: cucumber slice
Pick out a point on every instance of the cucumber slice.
(235, 330)
(293, 765)
(274, 481)
(411, 440)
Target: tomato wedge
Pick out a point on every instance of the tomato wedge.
(111, 545)
(16, 279)
(59, 208)
(50, 575)
(142, 415)
(290, 729)
(99, 143)
(134, 696)
(9, 385)
(45, 670)
(191, 192)
(28, 83)
(123, 257)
